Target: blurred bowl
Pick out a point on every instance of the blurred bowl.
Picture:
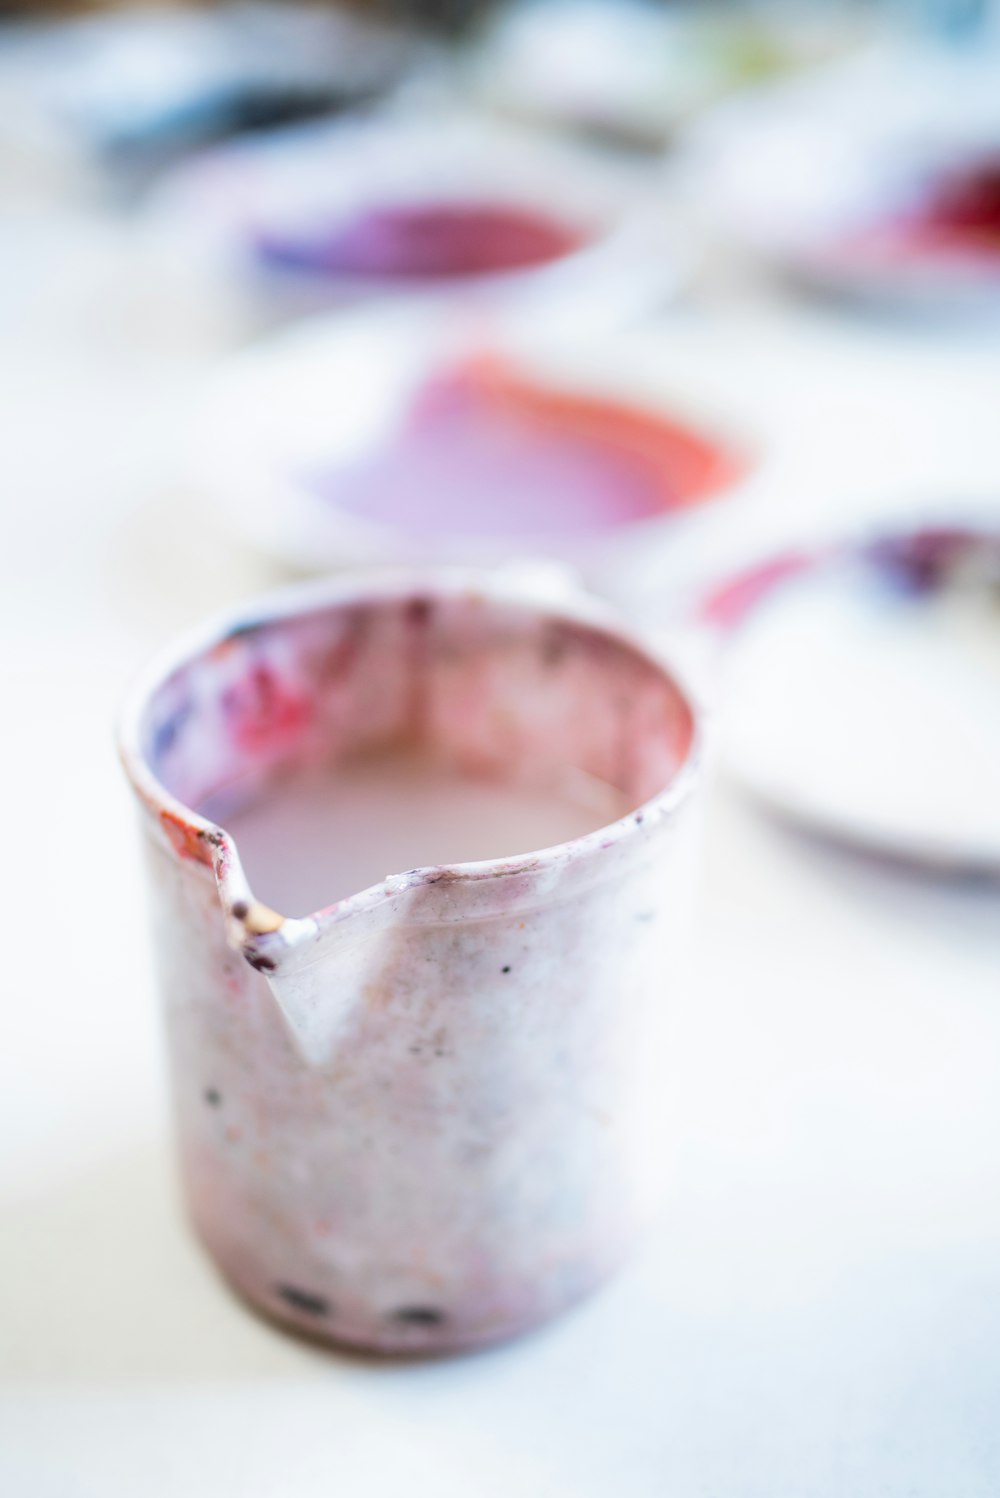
(133, 88)
(492, 221)
(380, 437)
(631, 72)
(862, 691)
(878, 180)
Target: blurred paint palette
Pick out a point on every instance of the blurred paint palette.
(138, 87)
(375, 438)
(469, 215)
(879, 180)
(863, 693)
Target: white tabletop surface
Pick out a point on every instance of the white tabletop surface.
(818, 1313)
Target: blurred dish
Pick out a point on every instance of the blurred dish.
(376, 438)
(879, 179)
(139, 87)
(863, 692)
(630, 70)
(466, 214)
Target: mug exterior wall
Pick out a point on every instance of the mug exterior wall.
(486, 1138)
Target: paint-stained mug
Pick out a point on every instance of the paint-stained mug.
(430, 1114)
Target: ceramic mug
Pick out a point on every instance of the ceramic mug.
(431, 1114)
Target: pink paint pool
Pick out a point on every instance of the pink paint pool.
(485, 452)
(423, 241)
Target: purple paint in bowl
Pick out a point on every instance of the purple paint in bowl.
(423, 241)
(484, 452)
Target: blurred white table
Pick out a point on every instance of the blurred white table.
(819, 1311)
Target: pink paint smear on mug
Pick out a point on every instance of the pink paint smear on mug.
(424, 241)
(484, 452)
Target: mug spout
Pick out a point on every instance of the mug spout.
(294, 956)
(312, 1006)
(314, 988)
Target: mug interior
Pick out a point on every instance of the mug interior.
(493, 688)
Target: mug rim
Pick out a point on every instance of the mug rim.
(259, 931)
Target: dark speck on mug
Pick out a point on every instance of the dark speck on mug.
(303, 1300)
(419, 1316)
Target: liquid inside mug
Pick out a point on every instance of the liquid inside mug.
(430, 1114)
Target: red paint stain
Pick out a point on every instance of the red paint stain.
(728, 605)
(185, 839)
(688, 465)
(262, 709)
(956, 218)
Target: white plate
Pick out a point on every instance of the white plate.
(862, 694)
